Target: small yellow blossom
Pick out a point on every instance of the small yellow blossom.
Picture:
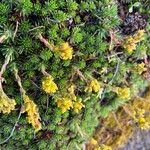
(71, 94)
(131, 41)
(129, 44)
(140, 119)
(6, 104)
(143, 124)
(48, 85)
(138, 112)
(77, 106)
(141, 68)
(69, 101)
(71, 89)
(32, 113)
(93, 142)
(105, 147)
(94, 86)
(64, 50)
(64, 103)
(139, 36)
(123, 93)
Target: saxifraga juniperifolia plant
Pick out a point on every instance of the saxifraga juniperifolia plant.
(63, 70)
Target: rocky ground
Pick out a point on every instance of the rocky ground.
(139, 141)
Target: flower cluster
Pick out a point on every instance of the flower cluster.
(32, 113)
(123, 93)
(64, 50)
(123, 122)
(140, 68)
(93, 142)
(64, 103)
(48, 85)
(94, 86)
(131, 41)
(6, 104)
(69, 101)
(140, 119)
(101, 147)
(138, 37)
(77, 106)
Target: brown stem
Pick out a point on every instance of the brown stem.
(4, 65)
(145, 59)
(38, 27)
(17, 23)
(3, 38)
(111, 40)
(19, 82)
(79, 73)
(45, 41)
(1, 88)
(3, 69)
(117, 121)
(45, 72)
(128, 112)
(121, 11)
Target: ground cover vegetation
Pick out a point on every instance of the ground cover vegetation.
(64, 65)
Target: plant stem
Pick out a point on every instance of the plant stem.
(22, 91)
(45, 41)
(7, 59)
(13, 129)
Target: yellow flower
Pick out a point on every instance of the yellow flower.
(139, 36)
(64, 103)
(48, 85)
(71, 94)
(93, 142)
(141, 112)
(94, 86)
(105, 147)
(141, 68)
(64, 50)
(139, 118)
(143, 124)
(71, 89)
(77, 106)
(129, 44)
(123, 93)
(6, 104)
(131, 41)
(69, 101)
(32, 113)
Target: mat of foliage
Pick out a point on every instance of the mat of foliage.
(64, 64)
(116, 129)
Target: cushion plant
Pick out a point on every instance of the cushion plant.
(64, 64)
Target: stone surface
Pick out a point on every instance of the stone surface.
(139, 141)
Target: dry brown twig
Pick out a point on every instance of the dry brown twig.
(82, 77)
(45, 41)
(16, 29)
(113, 39)
(3, 68)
